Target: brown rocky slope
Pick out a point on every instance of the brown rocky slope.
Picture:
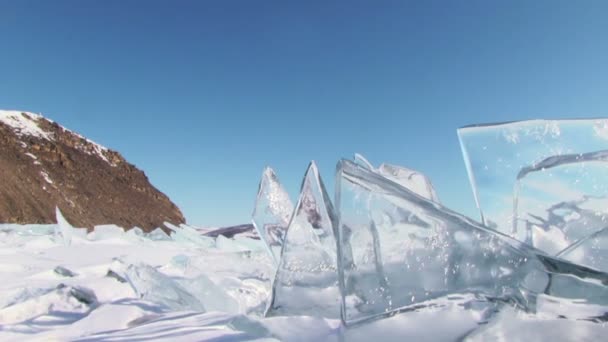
(43, 165)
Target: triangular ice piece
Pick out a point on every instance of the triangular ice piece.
(189, 235)
(157, 235)
(410, 179)
(363, 162)
(306, 281)
(65, 228)
(409, 251)
(272, 212)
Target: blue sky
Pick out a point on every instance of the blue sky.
(203, 94)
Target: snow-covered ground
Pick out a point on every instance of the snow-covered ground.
(115, 286)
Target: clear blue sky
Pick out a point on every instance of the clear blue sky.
(203, 94)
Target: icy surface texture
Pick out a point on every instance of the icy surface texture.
(306, 281)
(206, 291)
(64, 272)
(157, 235)
(410, 179)
(152, 285)
(67, 301)
(363, 162)
(187, 234)
(272, 212)
(408, 250)
(540, 181)
(106, 231)
(591, 251)
(64, 228)
(407, 178)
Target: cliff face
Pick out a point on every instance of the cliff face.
(43, 165)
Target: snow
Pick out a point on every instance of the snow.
(24, 124)
(31, 156)
(97, 149)
(46, 177)
(54, 291)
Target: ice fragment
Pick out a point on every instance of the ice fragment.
(540, 181)
(306, 281)
(64, 228)
(152, 285)
(408, 250)
(272, 212)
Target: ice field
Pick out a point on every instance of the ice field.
(377, 257)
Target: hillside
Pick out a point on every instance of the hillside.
(43, 165)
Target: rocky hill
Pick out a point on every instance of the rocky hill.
(43, 165)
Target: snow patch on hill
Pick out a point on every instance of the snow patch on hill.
(25, 123)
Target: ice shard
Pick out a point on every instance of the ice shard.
(363, 162)
(189, 235)
(152, 285)
(540, 181)
(306, 280)
(158, 235)
(64, 272)
(591, 251)
(65, 229)
(410, 179)
(213, 296)
(408, 250)
(272, 212)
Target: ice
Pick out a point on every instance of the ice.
(158, 235)
(241, 230)
(64, 228)
(207, 292)
(186, 327)
(150, 284)
(135, 232)
(231, 245)
(514, 325)
(82, 294)
(530, 178)
(363, 162)
(248, 242)
(63, 300)
(32, 229)
(306, 281)
(189, 235)
(20, 295)
(106, 231)
(387, 262)
(410, 179)
(64, 272)
(112, 274)
(272, 212)
(591, 251)
(408, 250)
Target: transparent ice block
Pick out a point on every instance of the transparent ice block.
(540, 181)
(306, 281)
(408, 251)
(272, 212)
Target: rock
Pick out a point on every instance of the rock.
(46, 165)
